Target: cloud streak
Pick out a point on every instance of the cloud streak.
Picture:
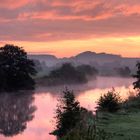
(58, 20)
(47, 20)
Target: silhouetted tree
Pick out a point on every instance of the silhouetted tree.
(67, 113)
(124, 72)
(109, 102)
(66, 74)
(16, 70)
(87, 70)
(15, 112)
(137, 76)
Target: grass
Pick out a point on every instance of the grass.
(124, 126)
(121, 125)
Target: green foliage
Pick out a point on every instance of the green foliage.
(123, 126)
(88, 134)
(16, 70)
(109, 102)
(67, 114)
(88, 129)
(109, 126)
(132, 104)
(137, 76)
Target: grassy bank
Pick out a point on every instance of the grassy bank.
(123, 126)
(117, 126)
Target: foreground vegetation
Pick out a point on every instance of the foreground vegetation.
(118, 126)
(114, 119)
(122, 124)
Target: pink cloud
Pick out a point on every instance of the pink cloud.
(45, 20)
(12, 4)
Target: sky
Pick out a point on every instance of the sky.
(67, 27)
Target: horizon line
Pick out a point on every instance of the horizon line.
(42, 53)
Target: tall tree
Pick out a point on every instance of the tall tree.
(67, 114)
(16, 70)
(137, 76)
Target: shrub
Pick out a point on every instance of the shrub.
(133, 102)
(109, 102)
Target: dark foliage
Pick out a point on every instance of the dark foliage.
(89, 128)
(16, 70)
(132, 103)
(66, 74)
(90, 134)
(67, 114)
(124, 72)
(69, 74)
(87, 70)
(109, 102)
(137, 76)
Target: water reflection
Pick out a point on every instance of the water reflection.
(100, 83)
(16, 110)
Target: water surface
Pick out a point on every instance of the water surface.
(30, 116)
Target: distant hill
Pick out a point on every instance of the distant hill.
(102, 61)
(48, 60)
(43, 57)
(89, 57)
(90, 54)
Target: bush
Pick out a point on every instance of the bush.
(109, 102)
(132, 103)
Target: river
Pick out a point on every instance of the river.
(30, 116)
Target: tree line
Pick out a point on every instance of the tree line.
(17, 71)
(69, 74)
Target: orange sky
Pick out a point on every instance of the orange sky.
(67, 27)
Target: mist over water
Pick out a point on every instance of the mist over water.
(45, 101)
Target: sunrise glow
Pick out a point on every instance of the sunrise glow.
(65, 28)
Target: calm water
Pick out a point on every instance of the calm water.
(30, 116)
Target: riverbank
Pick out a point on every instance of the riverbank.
(123, 126)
